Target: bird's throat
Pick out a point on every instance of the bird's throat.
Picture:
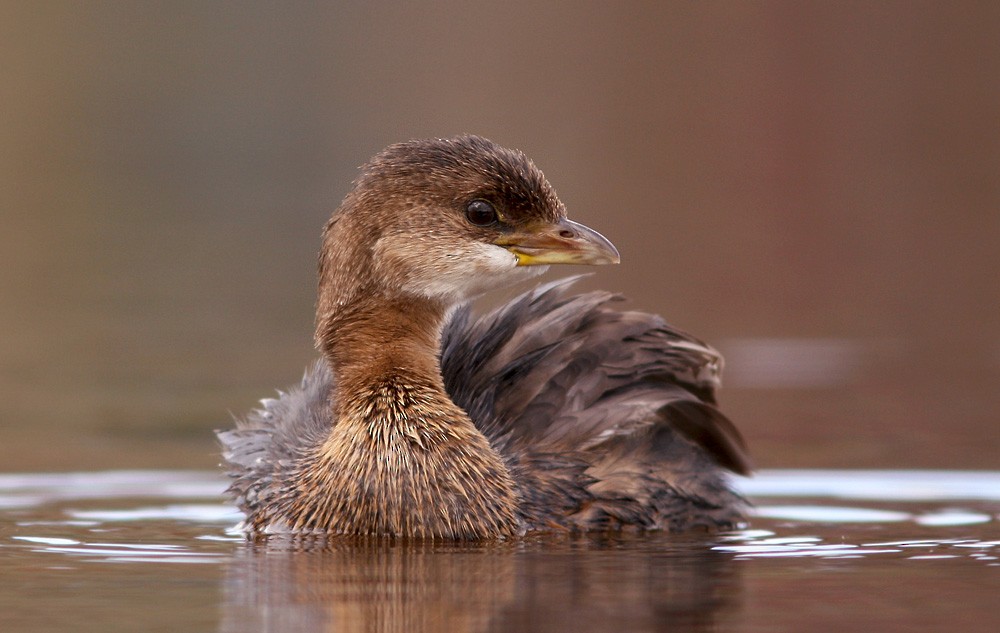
(405, 458)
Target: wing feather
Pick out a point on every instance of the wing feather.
(551, 371)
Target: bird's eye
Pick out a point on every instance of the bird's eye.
(481, 213)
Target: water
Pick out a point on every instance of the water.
(826, 550)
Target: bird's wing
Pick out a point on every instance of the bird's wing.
(551, 370)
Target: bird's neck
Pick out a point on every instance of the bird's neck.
(373, 341)
(406, 458)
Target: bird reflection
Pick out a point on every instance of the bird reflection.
(585, 583)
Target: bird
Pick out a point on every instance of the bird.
(555, 412)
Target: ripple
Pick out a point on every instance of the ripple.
(119, 552)
(953, 517)
(753, 546)
(830, 514)
(196, 513)
(46, 540)
(32, 489)
(883, 485)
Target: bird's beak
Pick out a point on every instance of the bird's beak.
(564, 242)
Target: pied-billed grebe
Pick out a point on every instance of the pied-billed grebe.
(554, 412)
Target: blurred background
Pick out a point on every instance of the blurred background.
(812, 187)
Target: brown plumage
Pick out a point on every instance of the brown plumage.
(556, 411)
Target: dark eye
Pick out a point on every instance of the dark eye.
(481, 213)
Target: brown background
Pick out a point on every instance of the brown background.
(812, 187)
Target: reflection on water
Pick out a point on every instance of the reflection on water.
(543, 585)
(145, 546)
(886, 485)
(119, 552)
(763, 543)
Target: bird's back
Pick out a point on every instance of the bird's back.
(606, 418)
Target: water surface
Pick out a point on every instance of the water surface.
(826, 550)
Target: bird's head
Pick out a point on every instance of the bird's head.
(447, 219)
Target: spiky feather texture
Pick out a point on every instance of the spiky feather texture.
(601, 418)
